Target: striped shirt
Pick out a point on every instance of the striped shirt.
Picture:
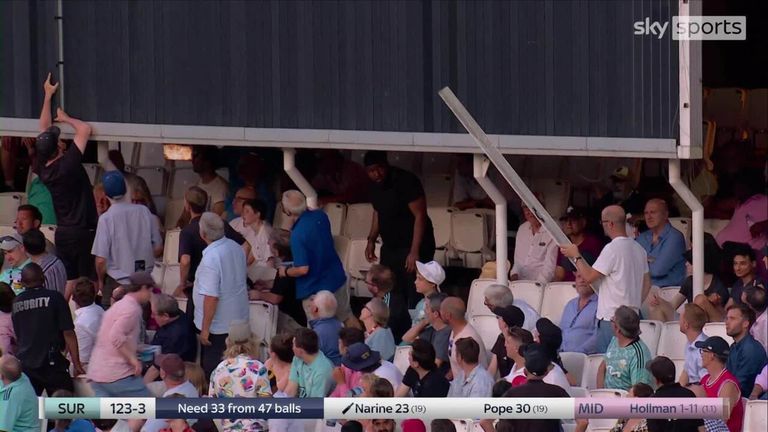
(625, 366)
(54, 271)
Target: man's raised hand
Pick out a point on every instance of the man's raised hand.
(49, 88)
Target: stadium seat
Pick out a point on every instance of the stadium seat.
(569, 427)
(725, 106)
(607, 393)
(182, 301)
(341, 244)
(488, 328)
(173, 210)
(402, 358)
(155, 176)
(336, 212)
(650, 332)
(757, 109)
(472, 233)
(672, 342)
(158, 272)
(714, 226)
(263, 320)
(668, 294)
(679, 367)
(357, 265)
(556, 193)
(149, 154)
(556, 296)
(181, 180)
(530, 291)
(756, 415)
(578, 392)
(574, 364)
(9, 202)
(357, 224)
(171, 247)
(591, 364)
(171, 278)
(476, 300)
(437, 189)
(684, 226)
(6, 230)
(94, 172)
(717, 329)
(441, 221)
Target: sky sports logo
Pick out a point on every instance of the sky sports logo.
(696, 28)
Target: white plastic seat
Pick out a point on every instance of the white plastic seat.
(717, 329)
(181, 180)
(679, 367)
(402, 359)
(171, 247)
(578, 392)
(336, 212)
(470, 230)
(607, 393)
(487, 327)
(170, 277)
(149, 154)
(6, 230)
(714, 226)
(9, 203)
(574, 364)
(357, 225)
(173, 210)
(650, 332)
(155, 176)
(556, 194)
(529, 291)
(756, 415)
(684, 226)
(357, 265)
(672, 342)
(441, 222)
(49, 231)
(437, 189)
(589, 377)
(476, 300)
(341, 244)
(556, 296)
(263, 320)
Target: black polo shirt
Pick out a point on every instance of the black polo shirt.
(40, 318)
(536, 388)
(190, 243)
(433, 384)
(674, 390)
(503, 363)
(71, 190)
(390, 199)
(177, 337)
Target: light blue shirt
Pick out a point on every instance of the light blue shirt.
(382, 341)
(18, 406)
(221, 273)
(580, 326)
(693, 367)
(479, 383)
(665, 258)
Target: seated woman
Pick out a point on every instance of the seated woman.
(381, 283)
(375, 316)
(280, 358)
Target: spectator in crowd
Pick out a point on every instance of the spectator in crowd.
(61, 170)
(71, 425)
(574, 226)
(620, 273)
(423, 379)
(18, 401)
(579, 320)
(537, 365)
(53, 268)
(115, 370)
(257, 232)
(7, 335)
(378, 387)
(28, 217)
(745, 269)
(322, 319)
(349, 336)
(16, 259)
(282, 293)
(126, 241)
(755, 298)
(339, 179)
(241, 374)
(639, 390)
(663, 244)
(429, 276)
(195, 375)
(215, 187)
(220, 292)
(311, 370)
(352, 426)
(433, 330)
(747, 357)
(497, 295)
(383, 425)
(10, 147)
(761, 385)
(535, 251)
(453, 311)
(375, 316)
(549, 335)
(657, 308)
(242, 195)
(174, 334)
(173, 372)
(359, 360)
(88, 316)
(381, 283)
(100, 198)
(719, 382)
(692, 322)
(43, 326)
(749, 223)
(467, 192)
(627, 354)
(507, 317)
(141, 195)
(442, 425)
(471, 379)
(663, 371)
(280, 359)
(316, 265)
(400, 216)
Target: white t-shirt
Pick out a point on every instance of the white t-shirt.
(624, 263)
(216, 189)
(259, 241)
(530, 314)
(557, 377)
(389, 372)
(467, 331)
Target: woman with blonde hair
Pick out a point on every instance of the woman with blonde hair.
(194, 373)
(375, 316)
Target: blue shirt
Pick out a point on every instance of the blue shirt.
(693, 365)
(665, 258)
(222, 274)
(745, 361)
(327, 330)
(312, 245)
(580, 326)
(18, 406)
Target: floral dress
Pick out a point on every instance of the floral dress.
(241, 376)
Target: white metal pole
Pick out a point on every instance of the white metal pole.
(481, 164)
(697, 237)
(289, 165)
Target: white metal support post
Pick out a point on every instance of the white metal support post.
(481, 164)
(697, 219)
(289, 165)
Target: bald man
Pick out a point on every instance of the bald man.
(453, 311)
(619, 276)
(664, 245)
(18, 401)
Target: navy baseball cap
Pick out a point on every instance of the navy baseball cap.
(114, 184)
(47, 143)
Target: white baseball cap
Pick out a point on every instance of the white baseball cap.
(431, 271)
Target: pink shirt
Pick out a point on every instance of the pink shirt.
(351, 380)
(119, 326)
(755, 209)
(7, 335)
(759, 330)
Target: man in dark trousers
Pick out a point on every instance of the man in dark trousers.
(400, 216)
(663, 371)
(43, 326)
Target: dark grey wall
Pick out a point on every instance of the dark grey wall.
(555, 67)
